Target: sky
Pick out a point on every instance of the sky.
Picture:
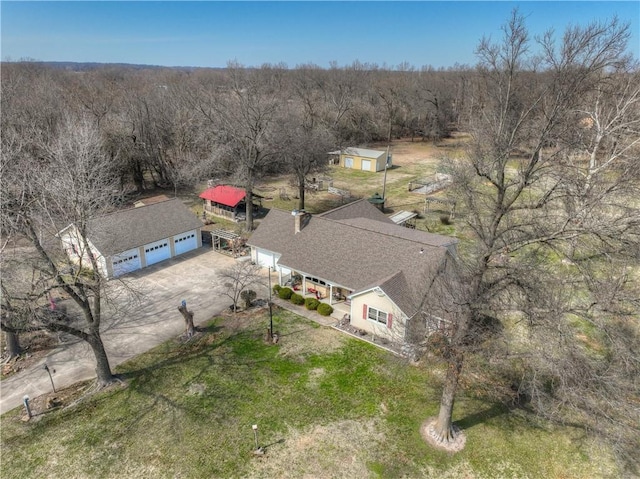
(212, 33)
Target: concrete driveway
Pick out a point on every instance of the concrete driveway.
(140, 312)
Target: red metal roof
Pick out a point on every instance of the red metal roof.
(224, 194)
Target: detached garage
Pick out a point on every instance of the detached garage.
(361, 159)
(132, 239)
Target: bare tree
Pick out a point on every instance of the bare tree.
(46, 186)
(304, 136)
(237, 278)
(244, 115)
(513, 184)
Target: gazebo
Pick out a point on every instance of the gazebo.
(226, 201)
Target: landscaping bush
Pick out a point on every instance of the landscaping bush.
(276, 288)
(247, 297)
(285, 293)
(296, 299)
(324, 309)
(311, 304)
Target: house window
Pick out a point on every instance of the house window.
(376, 315)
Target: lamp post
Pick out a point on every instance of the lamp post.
(46, 368)
(270, 309)
(255, 435)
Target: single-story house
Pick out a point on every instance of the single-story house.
(358, 260)
(131, 239)
(361, 159)
(226, 201)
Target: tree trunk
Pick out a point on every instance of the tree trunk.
(188, 320)
(443, 428)
(249, 207)
(104, 376)
(301, 194)
(13, 344)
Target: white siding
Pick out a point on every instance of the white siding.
(380, 302)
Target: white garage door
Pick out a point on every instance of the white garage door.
(266, 259)
(348, 162)
(126, 262)
(185, 242)
(156, 252)
(366, 165)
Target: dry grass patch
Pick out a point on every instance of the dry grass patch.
(338, 449)
(310, 340)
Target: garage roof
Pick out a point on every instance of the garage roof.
(361, 152)
(224, 195)
(126, 229)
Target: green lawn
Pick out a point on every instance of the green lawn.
(326, 406)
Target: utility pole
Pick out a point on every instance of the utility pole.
(384, 181)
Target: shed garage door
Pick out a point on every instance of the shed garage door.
(157, 251)
(266, 258)
(185, 242)
(126, 262)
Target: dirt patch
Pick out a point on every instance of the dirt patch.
(36, 345)
(428, 434)
(62, 398)
(305, 341)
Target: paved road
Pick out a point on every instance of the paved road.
(140, 312)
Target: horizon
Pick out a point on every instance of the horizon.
(389, 35)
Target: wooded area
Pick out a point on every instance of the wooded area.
(547, 193)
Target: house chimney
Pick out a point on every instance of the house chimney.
(300, 218)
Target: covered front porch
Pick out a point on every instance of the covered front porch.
(312, 287)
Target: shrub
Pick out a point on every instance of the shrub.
(276, 288)
(248, 296)
(285, 293)
(445, 219)
(324, 309)
(296, 299)
(311, 304)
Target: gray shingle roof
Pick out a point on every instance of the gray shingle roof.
(391, 229)
(356, 254)
(357, 209)
(127, 229)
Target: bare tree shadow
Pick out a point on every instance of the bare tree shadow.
(481, 417)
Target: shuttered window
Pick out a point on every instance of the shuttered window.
(376, 315)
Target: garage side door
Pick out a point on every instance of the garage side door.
(125, 262)
(185, 242)
(157, 251)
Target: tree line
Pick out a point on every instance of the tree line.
(548, 189)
